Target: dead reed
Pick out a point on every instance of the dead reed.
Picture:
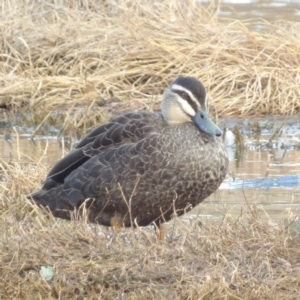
(62, 56)
(59, 61)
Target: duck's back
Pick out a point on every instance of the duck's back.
(137, 168)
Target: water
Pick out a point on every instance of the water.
(275, 160)
(263, 156)
(270, 10)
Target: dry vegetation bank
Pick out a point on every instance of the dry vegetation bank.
(241, 258)
(68, 55)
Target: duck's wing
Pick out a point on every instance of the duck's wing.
(103, 172)
(122, 130)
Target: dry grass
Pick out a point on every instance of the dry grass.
(65, 56)
(240, 258)
(57, 60)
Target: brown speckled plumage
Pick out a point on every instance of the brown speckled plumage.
(138, 168)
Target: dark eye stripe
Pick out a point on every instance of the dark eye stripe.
(187, 99)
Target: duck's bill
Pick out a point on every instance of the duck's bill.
(205, 124)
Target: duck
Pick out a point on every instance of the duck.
(141, 168)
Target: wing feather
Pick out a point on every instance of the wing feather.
(123, 130)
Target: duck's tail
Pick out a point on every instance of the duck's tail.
(52, 199)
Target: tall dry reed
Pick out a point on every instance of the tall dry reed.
(67, 56)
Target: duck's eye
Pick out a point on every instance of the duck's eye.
(184, 96)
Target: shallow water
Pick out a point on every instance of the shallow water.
(263, 156)
(270, 10)
(270, 158)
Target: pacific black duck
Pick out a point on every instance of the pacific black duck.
(143, 167)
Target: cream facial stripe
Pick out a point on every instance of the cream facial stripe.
(181, 88)
(188, 108)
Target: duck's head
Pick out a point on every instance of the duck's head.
(185, 101)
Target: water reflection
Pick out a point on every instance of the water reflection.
(270, 10)
(273, 160)
(47, 149)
